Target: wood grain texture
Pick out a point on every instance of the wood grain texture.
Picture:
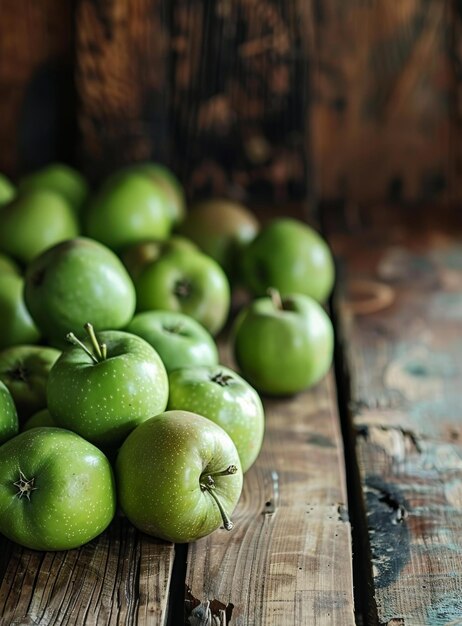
(382, 119)
(36, 95)
(121, 578)
(405, 362)
(240, 98)
(122, 71)
(253, 99)
(277, 99)
(288, 559)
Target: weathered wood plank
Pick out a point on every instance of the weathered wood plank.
(240, 98)
(383, 126)
(122, 77)
(288, 559)
(36, 88)
(273, 99)
(122, 577)
(406, 367)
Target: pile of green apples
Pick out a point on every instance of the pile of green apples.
(112, 394)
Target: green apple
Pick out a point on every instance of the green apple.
(138, 255)
(220, 228)
(8, 265)
(104, 388)
(188, 282)
(283, 346)
(178, 477)
(290, 256)
(7, 190)
(41, 418)
(57, 490)
(178, 338)
(62, 179)
(224, 397)
(74, 281)
(24, 370)
(34, 221)
(170, 185)
(15, 321)
(9, 424)
(127, 209)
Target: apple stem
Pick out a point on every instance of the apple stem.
(209, 486)
(276, 298)
(104, 351)
(176, 329)
(222, 379)
(182, 288)
(231, 469)
(94, 341)
(25, 486)
(73, 339)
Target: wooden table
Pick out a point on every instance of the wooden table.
(353, 512)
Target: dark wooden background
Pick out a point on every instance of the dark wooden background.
(270, 99)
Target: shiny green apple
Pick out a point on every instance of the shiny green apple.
(283, 346)
(220, 228)
(74, 281)
(188, 282)
(8, 265)
(178, 477)
(60, 178)
(57, 490)
(24, 370)
(137, 256)
(178, 338)
(291, 257)
(104, 387)
(7, 190)
(9, 423)
(33, 221)
(41, 418)
(163, 177)
(16, 324)
(222, 396)
(127, 209)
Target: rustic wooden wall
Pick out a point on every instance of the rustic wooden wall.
(383, 120)
(37, 101)
(240, 97)
(122, 76)
(358, 100)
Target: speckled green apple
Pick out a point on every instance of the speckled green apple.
(9, 423)
(138, 255)
(17, 326)
(41, 418)
(128, 208)
(283, 346)
(24, 370)
(7, 190)
(57, 490)
(104, 387)
(62, 179)
(178, 338)
(178, 477)
(169, 183)
(73, 282)
(220, 228)
(222, 396)
(33, 221)
(290, 256)
(7, 265)
(188, 282)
